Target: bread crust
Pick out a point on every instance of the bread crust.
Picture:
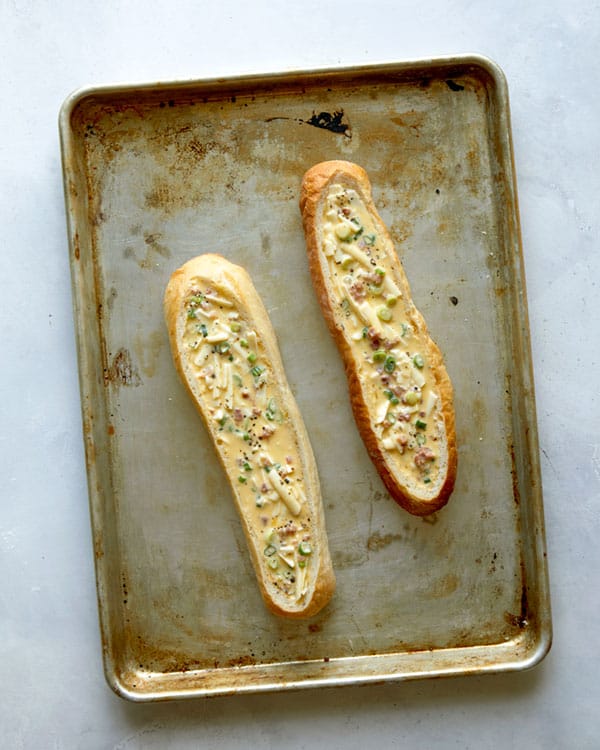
(221, 272)
(314, 186)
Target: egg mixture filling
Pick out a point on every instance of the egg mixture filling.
(398, 385)
(253, 431)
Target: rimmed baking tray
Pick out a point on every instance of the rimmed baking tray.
(155, 174)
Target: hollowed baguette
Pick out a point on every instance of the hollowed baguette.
(226, 353)
(400, 391)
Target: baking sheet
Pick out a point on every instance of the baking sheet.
(155, 174)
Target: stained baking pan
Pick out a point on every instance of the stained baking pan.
(155, 174)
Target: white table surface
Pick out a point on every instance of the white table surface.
(53, 690)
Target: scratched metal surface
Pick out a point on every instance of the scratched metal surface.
(157, 174)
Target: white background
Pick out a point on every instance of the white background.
(53, 691)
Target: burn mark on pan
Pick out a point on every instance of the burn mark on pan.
(453, 86)
(332, 121)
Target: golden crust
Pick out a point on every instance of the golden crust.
(314, 184)
(221, 272)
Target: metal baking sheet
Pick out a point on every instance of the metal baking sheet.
(155, 174)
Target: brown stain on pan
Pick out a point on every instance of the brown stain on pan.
(147, 350)
(377, 541)
(444, 586)
(99, 545)
(76, 246)
(88, 434)
(154, 658)
(412, 121)
(122, 370)
(523, 618)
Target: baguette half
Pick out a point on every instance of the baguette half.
(226, 353)
(400, 391)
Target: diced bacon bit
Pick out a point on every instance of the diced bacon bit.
(264, 487)
(423, 456)
(238, 415)
(245, 393)
(374, 337)
(390, 343)
(346, 211)
(266, 432)
(256, 412)
(373, 278)
(288, 529)
(403, 417)
(357, 291)
(288, 459)
(402, 441)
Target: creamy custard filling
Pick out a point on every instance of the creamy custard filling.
(398, 384)
(243, 403)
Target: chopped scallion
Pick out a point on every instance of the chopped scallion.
(392, 396)
(390, 364)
